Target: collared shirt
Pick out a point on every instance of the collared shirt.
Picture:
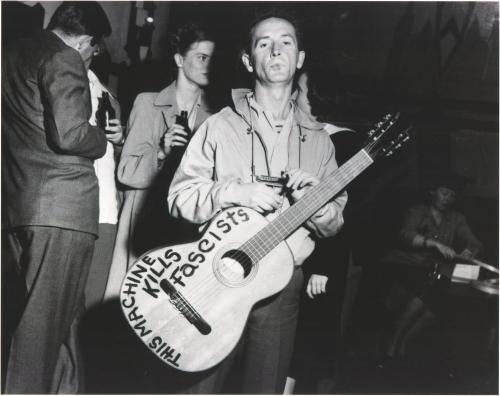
(105, 166)
(275, 138)
(191, 113)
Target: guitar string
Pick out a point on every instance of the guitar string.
(268, 235)
(288, 221)
(386, 124)
(259, 242)
(183, 302)
(256, 243)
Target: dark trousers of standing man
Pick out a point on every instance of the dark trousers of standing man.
(266, 347)
(53, 264)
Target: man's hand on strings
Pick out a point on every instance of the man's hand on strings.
(299, 182)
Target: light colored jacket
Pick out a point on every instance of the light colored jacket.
(152, 115)
(221, 154)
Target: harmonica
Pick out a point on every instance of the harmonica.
(272, 180)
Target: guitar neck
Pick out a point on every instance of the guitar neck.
(316, 197)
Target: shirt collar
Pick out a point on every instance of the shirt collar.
(166, 97)
(242, 105)
(258, 109)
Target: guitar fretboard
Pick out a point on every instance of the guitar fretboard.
(292, 218)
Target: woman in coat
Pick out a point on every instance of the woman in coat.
(152, 150)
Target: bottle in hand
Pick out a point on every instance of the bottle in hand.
(182, 120)
(105, 112)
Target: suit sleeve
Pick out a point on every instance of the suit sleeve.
(328, 220)
(139, 163)
(65, 90)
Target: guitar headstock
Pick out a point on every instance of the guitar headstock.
(386, 136)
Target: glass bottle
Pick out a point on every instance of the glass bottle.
(105, 112)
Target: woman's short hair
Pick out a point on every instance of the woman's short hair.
(189, 34)
(77, 18)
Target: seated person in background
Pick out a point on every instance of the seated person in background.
(431, 235)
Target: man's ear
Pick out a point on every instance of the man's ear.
(245, 58)
(81, 41)
(179, 60)
(301, 58)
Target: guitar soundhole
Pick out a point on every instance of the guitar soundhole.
(234, 268)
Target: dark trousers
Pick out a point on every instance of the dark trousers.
(53, 265)
(265, 349)
(318, 345)
(101, 263)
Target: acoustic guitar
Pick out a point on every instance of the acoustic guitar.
(189, 303)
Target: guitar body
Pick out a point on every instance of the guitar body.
(189, 303)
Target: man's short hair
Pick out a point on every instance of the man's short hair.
(262, 13)
(76, 18)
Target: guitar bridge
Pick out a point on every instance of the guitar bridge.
(185, 308)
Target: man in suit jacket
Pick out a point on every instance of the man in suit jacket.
(50, 192)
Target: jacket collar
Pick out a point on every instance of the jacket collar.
(242, 105)
(166, 99)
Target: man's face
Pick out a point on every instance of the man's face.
(275, 54)
(195, 64)
(87, 50)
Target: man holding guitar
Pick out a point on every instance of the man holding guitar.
(262, 153)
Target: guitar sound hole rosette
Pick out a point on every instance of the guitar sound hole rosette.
(233, 267)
